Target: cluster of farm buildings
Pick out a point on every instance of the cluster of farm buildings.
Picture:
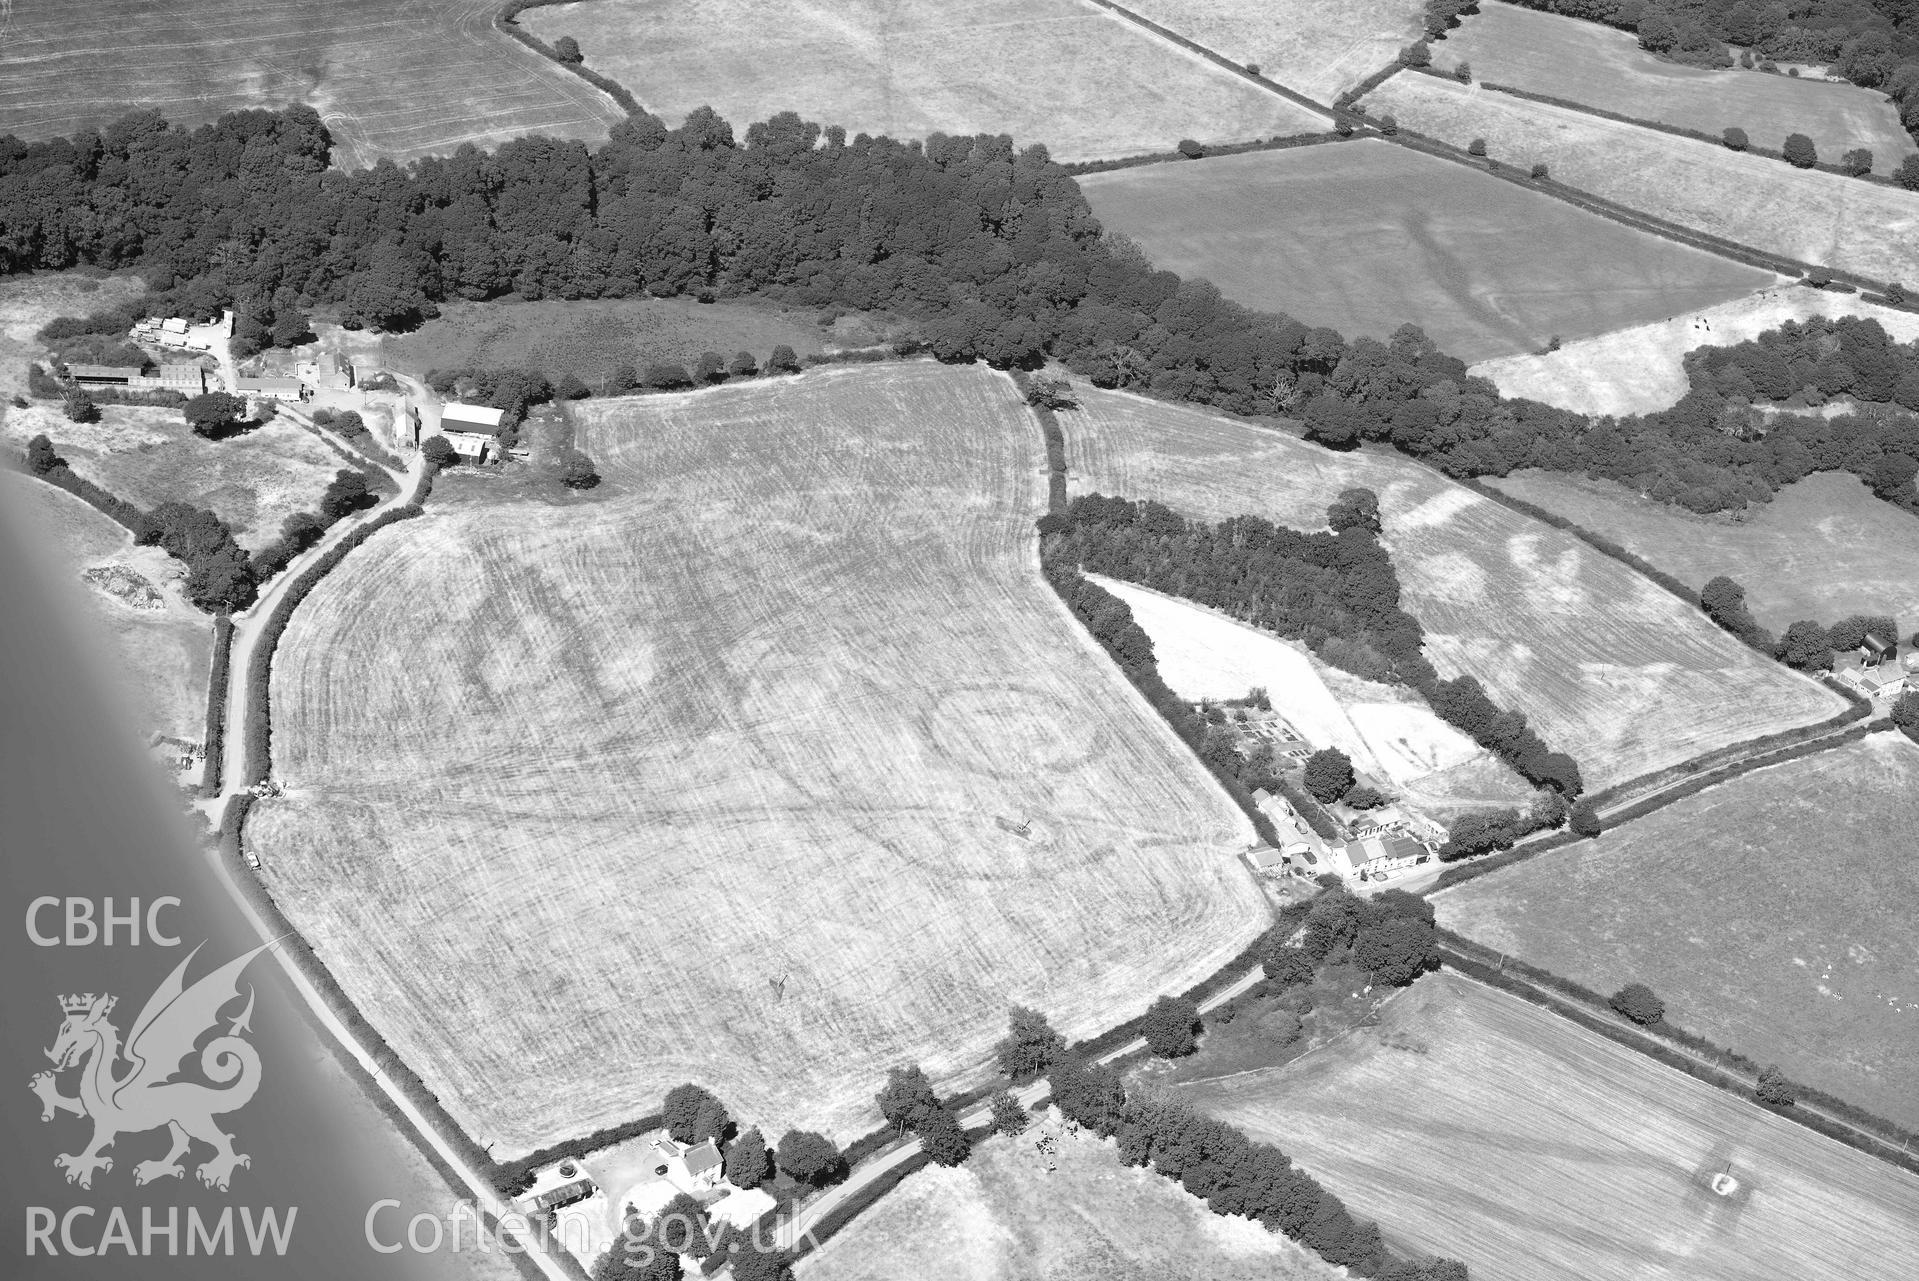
(1369, 845)
(1874, 670)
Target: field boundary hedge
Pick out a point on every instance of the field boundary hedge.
(259, 727)
(1286, 142)
(216, 739)
(1621, 214)
(1218, 59)
(1660, 126)
(1858, 1129)
(506, 21)
(1055, 437)
(1370, 83)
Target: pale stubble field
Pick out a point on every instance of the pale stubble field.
(1606, 665)
(697, 779)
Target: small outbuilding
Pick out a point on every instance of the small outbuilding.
(473, 430)
(287, 389)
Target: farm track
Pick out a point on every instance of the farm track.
(1629, 1034)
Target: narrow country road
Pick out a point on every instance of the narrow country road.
(793, 1230)
(248, 627)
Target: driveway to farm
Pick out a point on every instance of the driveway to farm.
(809, 1215)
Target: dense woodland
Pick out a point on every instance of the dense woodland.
(1873, 43)
(992, 251)
(1334, 590)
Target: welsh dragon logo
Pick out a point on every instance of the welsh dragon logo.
(145, 1095)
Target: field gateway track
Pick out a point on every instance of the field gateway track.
(1475, 1125)
(1365, 236)
(1604, 663)
(697, 778)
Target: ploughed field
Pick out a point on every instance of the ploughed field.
(393, 79)
(157, 647)
(697, 778)
(1603, 67)
(1086, 83)
(1365, 236)
(1823, 548)
(1606, 665)
(1314, 47)
(1820, 218)
(1772, 913)
(1003, 1216)
(1475, 1125)
(1641, 369)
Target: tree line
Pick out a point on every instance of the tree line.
(1334, 590)
(1806, 645)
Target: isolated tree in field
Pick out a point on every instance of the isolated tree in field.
(1799, 151)
(1190, 148)
(1030, 1045)
(694, 1115)
(79, 407)
(1477, 147)
(214, 414)
(907, 1094)
(808, 1157)
(1905, 714)
(1584, 819)
(1389, 124)
(41, 457)
(1637, 1002)
(1009, 1117)
(1857, 162)
(743, 366)
(1539, 170)
(1170, 1027)
(1463, 73)
(577, 470)
(438, 452)
(347, 493)
(1329, 775)
(568, 49)
(1046, 392)
(1735, 138)
(942, 1138)
(1775, 1089)
(1354, 509)
(710, 369)
(748, 1162)
(783, 361)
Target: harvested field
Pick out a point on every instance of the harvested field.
(161, 656)
(1002, 1217)
(1773, 914)
(393, 79)
(148, 455)
(1601, 66)
(1314, 47)
(1085, 82)
(1475, 1125)
(1608, 666)
(1814, 217)
(1637, 370)
(1365, 236)
(1823, 548)
(593, 339)
(697, 777)
(1388, 731)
